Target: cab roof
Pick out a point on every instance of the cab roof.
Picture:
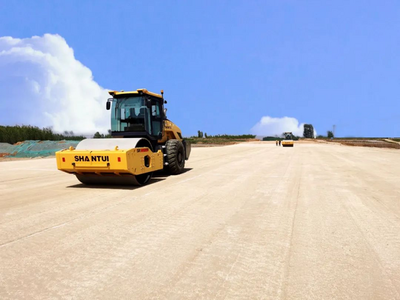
(137, 92)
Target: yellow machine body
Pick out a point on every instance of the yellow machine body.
(287, 143)
(135, 161)
(171, 131)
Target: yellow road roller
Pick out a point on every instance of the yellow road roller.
(143, 141)
(287, 140)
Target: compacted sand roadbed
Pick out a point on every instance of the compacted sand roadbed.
(249, 221)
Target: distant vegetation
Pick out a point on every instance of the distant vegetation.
(201, 138)
(219, 139)
(272, 138)
(276, 138)
(329, 135)
(14, 134)
(99, 135)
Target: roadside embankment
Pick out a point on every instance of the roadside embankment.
(363, 142)
(34, 148)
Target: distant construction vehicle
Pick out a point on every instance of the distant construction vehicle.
(308, 131)
(287, 140)
(144, 141)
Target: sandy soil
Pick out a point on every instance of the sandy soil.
(249, 221)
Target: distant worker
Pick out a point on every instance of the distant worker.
(280, 142)
(276, 143)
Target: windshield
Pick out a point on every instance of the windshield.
(131, 114)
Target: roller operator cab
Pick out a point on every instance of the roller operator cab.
(137, 114)
(144, 141)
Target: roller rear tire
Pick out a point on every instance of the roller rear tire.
(175, 156)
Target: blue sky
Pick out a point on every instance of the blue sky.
(226, 64)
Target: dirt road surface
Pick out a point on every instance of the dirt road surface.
(249, 221)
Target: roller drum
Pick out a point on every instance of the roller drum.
(110, 144)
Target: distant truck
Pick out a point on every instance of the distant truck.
(287, 140)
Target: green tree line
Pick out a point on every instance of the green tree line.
(99, 135)
(223, 136)
(14, 134)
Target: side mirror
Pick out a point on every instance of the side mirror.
(108, 103)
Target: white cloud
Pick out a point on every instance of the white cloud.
(44, 85)
(269, 126)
